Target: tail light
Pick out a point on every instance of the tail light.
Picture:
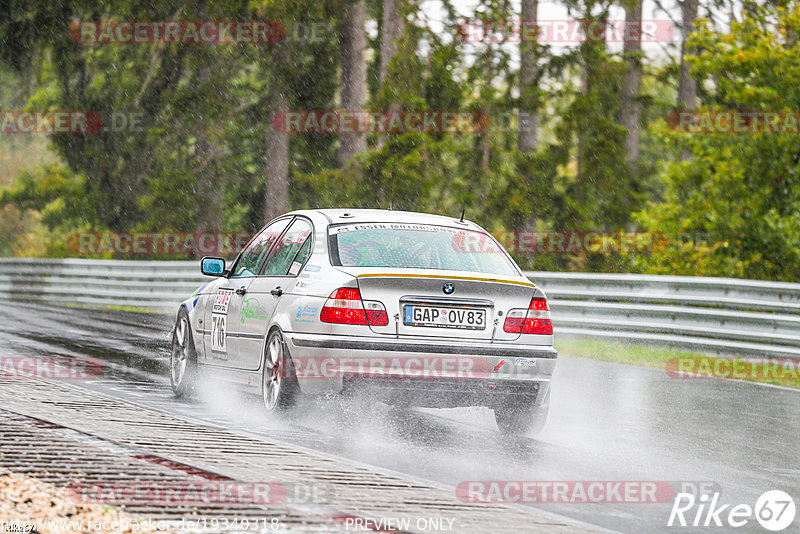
(534, 320)
(344, 306)
(376, 313)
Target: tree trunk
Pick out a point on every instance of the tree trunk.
(391, 28)
(591, 53)
(687, 87)
(208, 217)
(579, 157)
(353, 42)
(276, 195)
(486, 148)
(631, 113)
(486, 139)
(528, 107)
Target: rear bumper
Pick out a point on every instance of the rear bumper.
(447, 393)
(437, 373)
(372, 345)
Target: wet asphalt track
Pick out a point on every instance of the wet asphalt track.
(607, 422)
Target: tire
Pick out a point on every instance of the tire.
(183, 360)
(520, 415)
(279, 389)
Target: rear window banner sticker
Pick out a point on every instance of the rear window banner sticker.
(221, 301)
(218, 333)
(295, 268)
(393, 226)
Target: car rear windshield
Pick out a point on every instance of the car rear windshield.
(417, 246)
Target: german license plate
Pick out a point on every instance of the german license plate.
(437, 317)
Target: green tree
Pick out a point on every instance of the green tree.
(733, 209)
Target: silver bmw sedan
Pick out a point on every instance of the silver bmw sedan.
(415, 309)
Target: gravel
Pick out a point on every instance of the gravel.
(29, 505)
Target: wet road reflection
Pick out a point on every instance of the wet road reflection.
(608, 422)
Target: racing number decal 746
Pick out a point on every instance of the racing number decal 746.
(218, 324)
(219, 320)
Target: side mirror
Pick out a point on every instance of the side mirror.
(212, 266)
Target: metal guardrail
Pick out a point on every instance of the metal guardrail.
(152, 285)
(710, 314)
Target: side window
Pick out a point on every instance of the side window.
(254, 253)
(303, 254)
(296, 241)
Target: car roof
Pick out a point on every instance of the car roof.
(347, 215)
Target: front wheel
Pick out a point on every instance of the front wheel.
(279, 387)
(183, 360)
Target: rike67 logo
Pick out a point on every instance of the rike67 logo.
(774, 510)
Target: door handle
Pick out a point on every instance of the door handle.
(277, 291)
(241, 291)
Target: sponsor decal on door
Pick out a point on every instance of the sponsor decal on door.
(221, 301)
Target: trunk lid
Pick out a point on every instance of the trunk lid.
(443, 304)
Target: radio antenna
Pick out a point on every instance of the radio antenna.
(462, 215)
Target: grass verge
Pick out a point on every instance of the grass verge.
(685, 364)
(115, 307)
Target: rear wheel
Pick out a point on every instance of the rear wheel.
(183, 360)
(521, 415)
(279, 387)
